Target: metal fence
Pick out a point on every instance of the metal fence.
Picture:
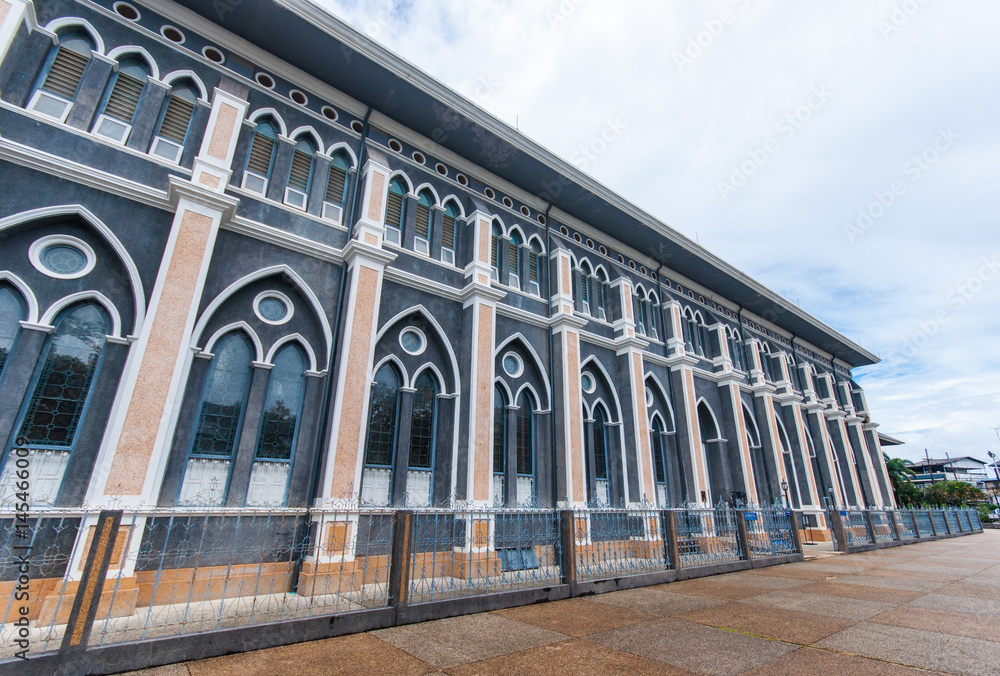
(770, 532)
(707, 536)
(940, 525)
(951, 517)
(882, 526)
(923, 519)
(618, 542)
(856, 528)
(907, 525)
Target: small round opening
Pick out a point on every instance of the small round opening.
(590, 243)
(441, 169)
(412, 341)
(298, 97)
(507, 202)
(489, 193)
(358, 126)
(603, 250)
(564, 230)
(328, 112)
(213, 54)
(264, 80)
(172, 34)
(395, 145)
(577, 237)
(461, 178)
(526, 211)
(541, 218)
(127, 11)
(419, 158)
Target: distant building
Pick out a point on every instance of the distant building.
(967, 469)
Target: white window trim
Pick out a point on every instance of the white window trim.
(290, 195)
(177, 147)
(448, 256)
(39, 93)
(39, 245)
(264, 295)
(333, 212)
(102, 118)
(393, 235)
(520, 364)
(422, 246)
(420, 334)
(264, 179)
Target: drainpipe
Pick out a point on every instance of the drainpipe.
(670, 382)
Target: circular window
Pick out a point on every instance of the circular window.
(604, 250)
(526, 211)
(649, 397)
(273, 307)
(264, 80)
(62, 257)
(441, 169)
(564, 230)
(358, 126)
(587, 382)
(329, 113)
(577, 237)
(512, 365)
(489, 193)
(631, 264)
(461, 178)
(419, 158)
(621, 259)
(126, 10)
(213, 54)
(298, 97)
(412, 341)
(172, 34)
(590, 243)
(395, 145)
(507, 202)
(541, 219)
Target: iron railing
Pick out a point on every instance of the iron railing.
(882, 526)
(707, 536)
(770, 532)
(619, 542)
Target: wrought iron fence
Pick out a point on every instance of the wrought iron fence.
(951, 517)
(907, 525)
(707, 536)
(856, 528)
(769, 532)
(618, 542)
(940, 525)
(473, 553)
(882, 526)
(923, 520)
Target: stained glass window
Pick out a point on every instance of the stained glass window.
(10, 315)
(224, 399)
(283, 406)
(67, 374)
(63, 259)
(382, 417)
(499, 429)
(600, 444)
(525, 435)
(422, 428)
(659, 461)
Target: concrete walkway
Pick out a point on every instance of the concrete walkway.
(934, 606)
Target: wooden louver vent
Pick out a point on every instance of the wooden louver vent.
(532, 266)
(394, 210)
(301, 168)
(65, 73)
(335, 186)
(260, 154)
(176, 119)
(423, 224)
(124, 97)
(448, 232)
(512, 256)
(494, 251)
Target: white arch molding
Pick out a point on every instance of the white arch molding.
(29, 297)
(269, 112)
(538, 363)
(126, 50)
(56, 25)
(299, 340)
(173, 76)
(406, 180)
(421, 310)
(230, 328)
(336, 147)
(434, 193)
(308, 131)
(64, 302)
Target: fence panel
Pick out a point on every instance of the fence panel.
(769, 532)
(906, 525)
(707, 536)
(856, 529)
(619, 542)
(882, 527)
(951, 516)
(458, 554)
(937, 517)
(924, 523)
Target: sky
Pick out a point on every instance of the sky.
(843, 154)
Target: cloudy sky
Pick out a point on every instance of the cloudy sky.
(845, 154)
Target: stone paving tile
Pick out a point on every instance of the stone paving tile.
(813, 575)
(693, 646)
(979, 591)
(706, 586)
(750, 579)
(925, 649)
(911, 575)
(943, 621)
(576, 617)
(934, 568)
(892, 583)
(861, 592)
(982, 580)
(576, 656)
(769, 622)
(832, 606)
(470, 638)
(958, 604)
(169, 670)
(655, 601)
(825, 663)
(359, 653)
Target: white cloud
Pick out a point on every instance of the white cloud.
(892, 90)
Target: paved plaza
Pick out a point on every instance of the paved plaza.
(925, 607)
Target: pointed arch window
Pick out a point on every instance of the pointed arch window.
(586, 288)
(260, 159)
(791, 472)
(686, 324)
(59, 82)
(656, 434)
(640, 313)
(601, 493)
(335, 199)
(448, 233)
(736, 351)
(705, 338)
(395, 211)
(175, 121)
(52, 416)
(495, 233)
(279, 428)
(602, 282)
(11, 313)
(422, 227)
(122, 99)
(514, 259)
(300, 174)
(380, 450)
(765, 362)
(220, 419)
(651, 313)
(525, 427)
(499, 443)
(420, 467)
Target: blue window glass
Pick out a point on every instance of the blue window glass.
(224, 400)
(600, 445)
(272, 309)
(63, 259)
(10, 314)
(67, 374)
(422, 427)
(283, 406)
(525, 426)
(382, 418)
(499, 429)
(659, 456)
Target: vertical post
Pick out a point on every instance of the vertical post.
(944, 517)
(741, 529)
(894, 520)
(839, 536)
(567, 537)
(930, 517)
(88, 595)
(670, 540)
(796, 519)
(916, 525)
(870, 525)
(399, 560)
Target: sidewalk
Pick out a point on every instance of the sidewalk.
(935, 606)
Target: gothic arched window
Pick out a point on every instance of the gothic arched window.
(659, 461)
(57, 86)
(260, 159)
(10, 314)
(175, 121)
(499, 443)
(602, 487)
(395, 211)
(420, 467)
(525, 428)
(122, 99)
(376, 482)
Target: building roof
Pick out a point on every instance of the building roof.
(946, 461)
(330, 50)
(886, 440)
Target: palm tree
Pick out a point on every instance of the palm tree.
(899, 474)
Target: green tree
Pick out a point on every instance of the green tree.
(953, 494)
(904, 489)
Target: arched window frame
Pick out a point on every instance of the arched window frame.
(12, 312)
(659, 450)
(496, 232)
(377, 476)
(586, 274)
(499, 443)
(337, 185)
(424, 223)
(173, 127)
(395, 210)
(260, 156)
(59, 81)
(300, 173)
(514, 259)
(525, 448)
(735, 350)
(449, 225)
(121, 98)
(423, 434)
(602, 285)
(602, 487)
(270, 473)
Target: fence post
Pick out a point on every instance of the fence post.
(944, 517)
(567, 537)
(670, 540)
(870, 525)
(916, 525)
(837, 518)
(958, 520)
(933, 525)
(894, 521)
(399, 560)
(795, 519)
(95, 572)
